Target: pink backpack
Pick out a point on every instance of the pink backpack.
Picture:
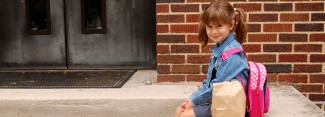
(258, 93)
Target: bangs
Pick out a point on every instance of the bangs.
(216, 16)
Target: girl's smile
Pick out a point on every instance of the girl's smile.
(214, 37)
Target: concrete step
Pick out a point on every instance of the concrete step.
(134, 99)
(286, 101)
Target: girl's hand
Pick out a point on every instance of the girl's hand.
(189, 105)
(183, 106)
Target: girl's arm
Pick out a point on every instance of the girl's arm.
(194, 97)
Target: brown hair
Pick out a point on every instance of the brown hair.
(221, 11)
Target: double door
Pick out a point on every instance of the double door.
(73, 34)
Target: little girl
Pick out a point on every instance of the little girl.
(218, 23)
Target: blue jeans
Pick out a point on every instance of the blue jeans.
(202, 110)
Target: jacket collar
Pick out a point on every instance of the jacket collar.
(217, 49)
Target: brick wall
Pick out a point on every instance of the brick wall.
(286, 35)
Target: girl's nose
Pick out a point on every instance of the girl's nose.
(214, 30)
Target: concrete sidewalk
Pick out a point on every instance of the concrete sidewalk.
(133, 99)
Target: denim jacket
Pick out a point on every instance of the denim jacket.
(219, 71)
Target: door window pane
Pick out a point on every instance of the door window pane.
(93, 16)
(38, 17)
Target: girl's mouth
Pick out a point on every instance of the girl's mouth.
(214, 36)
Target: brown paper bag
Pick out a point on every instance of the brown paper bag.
(228, 100)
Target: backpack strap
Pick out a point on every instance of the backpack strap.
(230, 52)
(242, 83)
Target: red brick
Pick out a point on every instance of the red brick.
(206, 49)
(272, 77)
(170, 38)
(262, 0)
(190, 28)
(236, 0)
(286, 17)
(163, 69)
(162, 8)
(162, 49)
(293, 78)
(278, 68)
(198, 58)
(308, 48)
(292, 58)
(254, 27)
(162, 29)
(277, 48)
(192, 17)
(205, 69)
(262, 37)
(204, 6)
(170, 78)
(190, 69)
(252, 47)
(295, 0)
(293, 37)
(263, 17)
(262, 58)
(277, 27)
(170, 18)
(310, 27)
(317, 37)
(318, 17)
(185, 8)
(317, 58)
(315, 68)
(170, 59)
(185, 49)
(169, 1)
(200, 0)
(317, 78)
(193, 39)
(308, 88)
(309, 6)
(196, 78)
(278, 7)
(317, 97)
(319, 106)
(249, 7)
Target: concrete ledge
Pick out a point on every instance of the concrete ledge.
(286, 101)
(134, 99)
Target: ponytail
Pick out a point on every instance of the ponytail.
(240, 26)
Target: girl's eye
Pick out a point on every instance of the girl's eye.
(219, 25)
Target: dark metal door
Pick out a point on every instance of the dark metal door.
(18, 49)
(129, 40)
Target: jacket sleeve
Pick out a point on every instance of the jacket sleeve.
(195, 98)
(226, 71)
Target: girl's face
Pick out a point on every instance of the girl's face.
(218, 32)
